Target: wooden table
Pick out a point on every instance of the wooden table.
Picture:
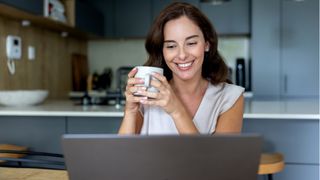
(32, 174)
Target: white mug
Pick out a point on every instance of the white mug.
(145, 72)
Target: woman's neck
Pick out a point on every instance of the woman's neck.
(193, 86)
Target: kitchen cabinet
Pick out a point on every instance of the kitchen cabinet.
(300, 48)
(88, 18)
(93, 125)
(132, 18)
(42, 134)
(285, 48)
(265, 44)
(299, 143)
(16, 12)
(107, 10)
(31, 6)
(158, 5)
(231, 17)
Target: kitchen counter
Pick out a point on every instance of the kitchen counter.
(62, 108)
(282, 109)
(254, 109)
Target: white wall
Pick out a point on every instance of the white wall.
(131, 52)
(232, 48)
(115, 53)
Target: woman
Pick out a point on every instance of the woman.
(194, 96)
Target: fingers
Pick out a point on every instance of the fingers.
(160, 83)
(136, 89)
(134, 81)
(142, 95)
(130, 97)
(160, 77)
(132, 72)
(152, 95)
(135, 99)
(131, 81)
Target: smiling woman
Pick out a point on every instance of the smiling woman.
(194, 94)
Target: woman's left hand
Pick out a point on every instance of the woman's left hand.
(165, 98)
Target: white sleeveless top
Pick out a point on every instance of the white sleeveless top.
(216, 100)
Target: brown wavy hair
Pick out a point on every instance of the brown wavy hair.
(213, 67)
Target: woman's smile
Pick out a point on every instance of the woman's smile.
(184, 66)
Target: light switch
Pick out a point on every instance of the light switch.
(31, 53)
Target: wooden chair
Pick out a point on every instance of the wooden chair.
(271, 163)
(17, 156)
(11, 155)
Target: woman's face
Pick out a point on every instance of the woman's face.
(183, 48)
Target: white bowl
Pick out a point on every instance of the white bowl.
(22, 97)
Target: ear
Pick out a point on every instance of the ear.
(207, 47)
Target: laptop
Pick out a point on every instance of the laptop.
(200, 157)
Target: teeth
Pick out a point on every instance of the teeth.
(185, 65)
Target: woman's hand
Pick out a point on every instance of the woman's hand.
(165, 98)
(132, 102)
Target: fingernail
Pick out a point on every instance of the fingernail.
(143, 88)
(142, 101)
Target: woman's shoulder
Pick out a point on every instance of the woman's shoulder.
(226, 88)
(226, 94)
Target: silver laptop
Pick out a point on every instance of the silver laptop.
(114, 157)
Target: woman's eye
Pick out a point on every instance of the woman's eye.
(170, 46)
(191, 43)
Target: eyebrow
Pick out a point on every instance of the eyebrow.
(190, 37)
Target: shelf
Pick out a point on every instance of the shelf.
(41, 21)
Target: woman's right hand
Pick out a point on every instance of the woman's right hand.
(133, 102)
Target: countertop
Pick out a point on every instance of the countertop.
(254, 109)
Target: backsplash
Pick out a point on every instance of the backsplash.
(51, 68)
(131, 52)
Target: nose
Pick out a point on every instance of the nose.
(182, 53)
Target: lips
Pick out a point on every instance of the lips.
(184, 66)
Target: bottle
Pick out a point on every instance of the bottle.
(240, 72)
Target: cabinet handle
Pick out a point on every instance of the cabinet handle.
(285, 83)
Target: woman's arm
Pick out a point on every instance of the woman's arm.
(231, 120)
(132, 121)
(131, 124)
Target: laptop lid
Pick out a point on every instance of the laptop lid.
(220, 157)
